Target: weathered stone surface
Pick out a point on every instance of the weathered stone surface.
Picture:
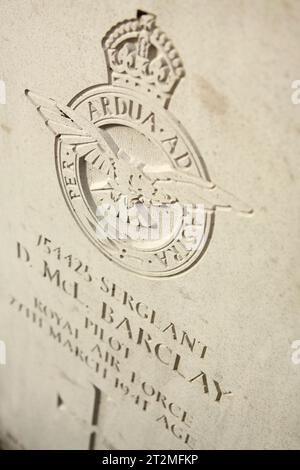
(135, 345)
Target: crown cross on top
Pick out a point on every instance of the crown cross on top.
(141, 57)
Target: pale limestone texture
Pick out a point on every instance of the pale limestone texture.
(238, 305)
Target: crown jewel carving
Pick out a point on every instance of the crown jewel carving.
(140, 56)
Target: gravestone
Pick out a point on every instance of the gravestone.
(150, 225)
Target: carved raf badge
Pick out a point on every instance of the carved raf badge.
(124, 163)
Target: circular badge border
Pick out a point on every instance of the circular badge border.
(199, 163)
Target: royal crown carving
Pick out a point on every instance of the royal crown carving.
(141, 57)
